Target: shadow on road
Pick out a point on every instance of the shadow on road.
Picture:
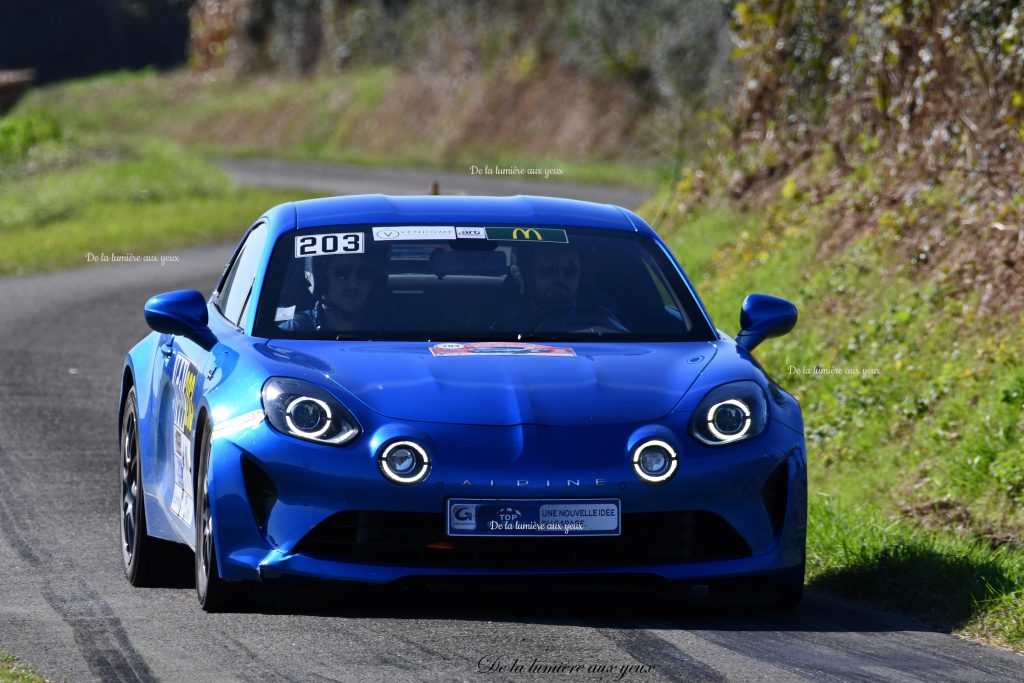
(943, 589)
(629, 604)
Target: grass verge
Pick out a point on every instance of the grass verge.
(358, 117)
(12, 671)
(954, 582)
(100, 197)
(914, 414)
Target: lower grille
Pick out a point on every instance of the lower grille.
(402, 538)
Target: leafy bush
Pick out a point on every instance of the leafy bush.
(19, 135)
(937, 75)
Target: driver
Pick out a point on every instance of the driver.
(343, 287)
(552, 276)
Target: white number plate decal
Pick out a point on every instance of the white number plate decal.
(333, 243)
(533, 517)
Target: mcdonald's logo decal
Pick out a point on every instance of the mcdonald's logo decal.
(556, 235)
(526, 234)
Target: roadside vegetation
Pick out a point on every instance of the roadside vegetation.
(601, 90)
(121, 162)
(12, 671)
(915, 455)
(868, 173)
(65, 194)
(367, 116)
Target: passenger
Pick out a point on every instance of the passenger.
(552, 277)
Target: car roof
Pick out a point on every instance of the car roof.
(379, 209)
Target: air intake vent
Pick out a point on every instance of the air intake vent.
(419, 540)
(776, 490)
(260, 491)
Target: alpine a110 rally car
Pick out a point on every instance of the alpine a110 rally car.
(382, 388)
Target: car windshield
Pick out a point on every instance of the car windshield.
(475, 283)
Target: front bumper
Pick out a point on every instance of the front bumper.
(270, 494)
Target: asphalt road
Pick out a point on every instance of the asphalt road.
(66, 608)
(332, 179)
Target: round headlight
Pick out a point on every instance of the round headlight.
(730, 413)
(308, 416)
(404, 462)
(729, 420)
(654, 461)
(307, 411)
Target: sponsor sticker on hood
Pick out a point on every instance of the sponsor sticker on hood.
(499, 349)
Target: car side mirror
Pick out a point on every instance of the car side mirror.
(763, 316)
(182, 313)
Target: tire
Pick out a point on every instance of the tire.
(146, 561)
(214, 593)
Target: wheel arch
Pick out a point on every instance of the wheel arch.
(127, 382)
(203, 423)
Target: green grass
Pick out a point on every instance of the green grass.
(11, 671)
(955, 583)
(115, 163)
(326, 118)
(104, 197)
(916, 467)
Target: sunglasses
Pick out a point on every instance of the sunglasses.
(345, 272)
(565, 268)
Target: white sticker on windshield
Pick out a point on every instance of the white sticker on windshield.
(324, 245)
(471, 233)
(414, 232)
(286, 313)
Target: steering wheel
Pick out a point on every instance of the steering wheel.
(581, 317)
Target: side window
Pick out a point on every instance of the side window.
(238, 282)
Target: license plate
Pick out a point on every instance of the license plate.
(533, 517)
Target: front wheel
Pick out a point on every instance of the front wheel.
(146, 561)
(214, 593)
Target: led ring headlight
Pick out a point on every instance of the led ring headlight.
(740, 419)
(289, 416)
(404, 462)
(730, 414)
(655, 461)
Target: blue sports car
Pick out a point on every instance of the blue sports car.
(383, 388)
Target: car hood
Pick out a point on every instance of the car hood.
(507, 384)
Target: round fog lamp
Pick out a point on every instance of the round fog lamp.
(401, 460)
(654, 461)
(404, 462)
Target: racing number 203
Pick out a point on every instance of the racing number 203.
(332, 243)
